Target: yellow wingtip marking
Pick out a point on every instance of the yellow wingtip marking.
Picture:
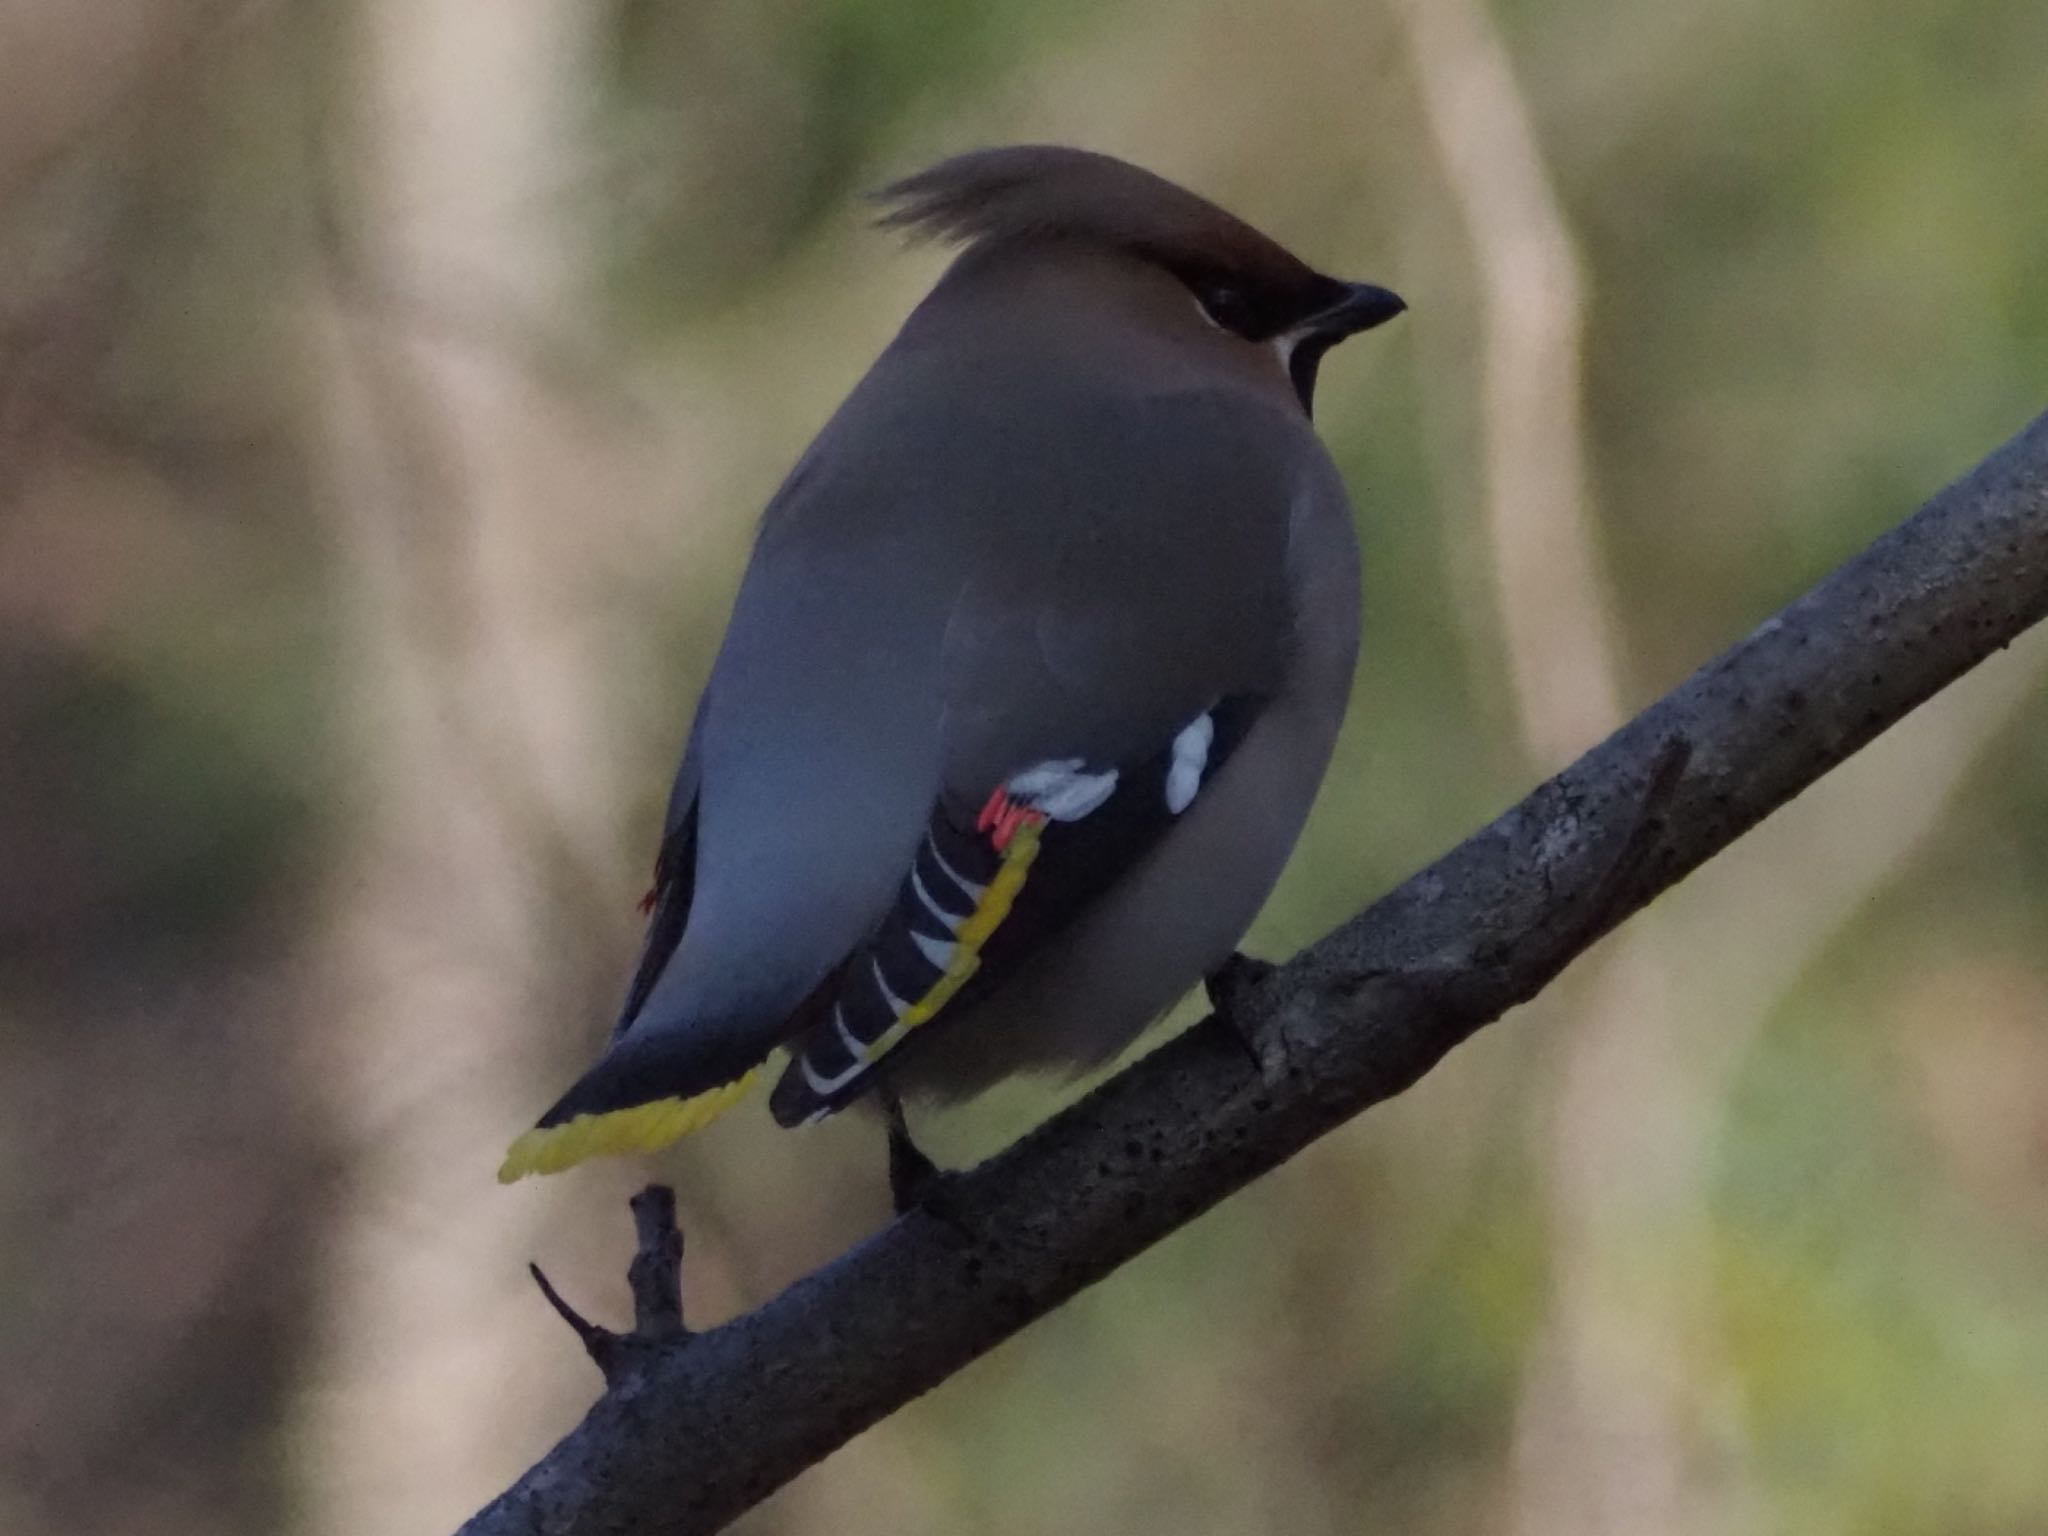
(643, 1128)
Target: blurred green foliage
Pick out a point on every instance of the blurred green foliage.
(773, 115)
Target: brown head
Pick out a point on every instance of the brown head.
(1246, 283)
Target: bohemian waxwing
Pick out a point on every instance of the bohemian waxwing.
(1033, 673)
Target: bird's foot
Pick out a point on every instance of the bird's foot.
(916, 1183)
(1236, 976)
(912, 1175)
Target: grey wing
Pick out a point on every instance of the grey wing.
(816, 756)
(811, 764)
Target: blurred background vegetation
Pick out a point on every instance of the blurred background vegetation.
(386, 393)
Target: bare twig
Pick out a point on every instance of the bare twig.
(656, 1276)
(708, 1430)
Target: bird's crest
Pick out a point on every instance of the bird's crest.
(1023, 192)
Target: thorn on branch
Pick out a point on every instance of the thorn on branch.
(600, 1343)
(656, 1278)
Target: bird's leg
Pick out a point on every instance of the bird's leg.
(912, 1176)
(1226, 986)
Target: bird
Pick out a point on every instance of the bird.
(1035, 668)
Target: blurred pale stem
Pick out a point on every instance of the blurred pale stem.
(1605, 1443)
(449, 471)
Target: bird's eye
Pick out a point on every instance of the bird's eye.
(1226, 305)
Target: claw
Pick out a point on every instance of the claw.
(916, 1183)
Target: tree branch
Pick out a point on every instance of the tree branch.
(695, 1430)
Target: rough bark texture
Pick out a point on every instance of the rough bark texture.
(697, 1430)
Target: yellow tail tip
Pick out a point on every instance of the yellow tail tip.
(619, 1132)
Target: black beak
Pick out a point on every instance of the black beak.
(1362, 307)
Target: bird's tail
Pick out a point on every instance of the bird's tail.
(581, 1126)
